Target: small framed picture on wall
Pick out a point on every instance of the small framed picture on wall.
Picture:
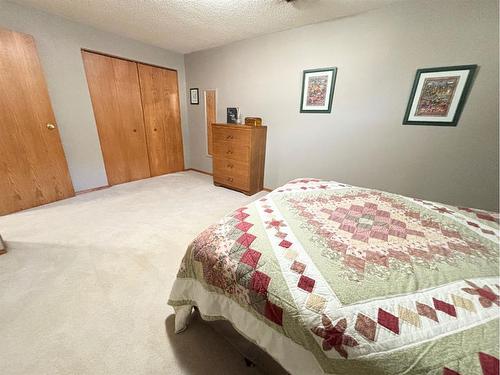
(194, 96)
(438, 95)
(317, 90)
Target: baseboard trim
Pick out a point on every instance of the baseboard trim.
(211, 174)
(199, 171)
(187, 169)
(91, 190)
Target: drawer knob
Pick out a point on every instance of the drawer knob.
(230, 166)
(229, 152)
(229, 137)
(230, 179)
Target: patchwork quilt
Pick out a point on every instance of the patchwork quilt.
(336, 279)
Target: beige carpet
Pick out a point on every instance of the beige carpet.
(83, 288)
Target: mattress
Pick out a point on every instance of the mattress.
(330, 278)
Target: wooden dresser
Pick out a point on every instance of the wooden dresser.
(239, 153)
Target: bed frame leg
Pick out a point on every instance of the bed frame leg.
(3, 248)
(248, 362)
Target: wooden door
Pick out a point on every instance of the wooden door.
(33, 168)
(160, 101)
(210, 116)
(116, 99)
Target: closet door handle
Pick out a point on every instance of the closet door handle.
(51, 126)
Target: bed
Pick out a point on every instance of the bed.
(334, 279)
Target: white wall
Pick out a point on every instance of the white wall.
(363, 141)
(59, 42)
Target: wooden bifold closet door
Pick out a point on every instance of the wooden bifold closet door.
(33, 168)
(160, 103)
(136, 108)
(116, 99)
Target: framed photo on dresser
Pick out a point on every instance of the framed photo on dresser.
(232, 115)
(317, 90)
(438, 95)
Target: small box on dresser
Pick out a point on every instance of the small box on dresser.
(239, 153)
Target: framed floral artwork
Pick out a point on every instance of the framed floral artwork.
(438, 95)
(317, 90)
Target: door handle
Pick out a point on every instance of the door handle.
(51, 126)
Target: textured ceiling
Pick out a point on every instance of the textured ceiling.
(190, 25)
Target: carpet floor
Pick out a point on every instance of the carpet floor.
(84, 285)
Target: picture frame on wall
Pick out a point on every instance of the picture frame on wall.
(438, 95)
(194, 96)
(318, 86)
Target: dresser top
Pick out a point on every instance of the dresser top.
(239, 126)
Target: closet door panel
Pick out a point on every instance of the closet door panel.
(116, 99)
(33, 168)
(160, 101)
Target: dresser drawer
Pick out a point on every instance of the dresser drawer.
(231, 173)
(231, 135)
(230, 150)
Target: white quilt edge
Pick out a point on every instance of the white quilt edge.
(292, 357)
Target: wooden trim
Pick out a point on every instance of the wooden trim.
(211, 174)
(126, 59)
(198, 170)
(209, 119)
(91, 190)
(185, 170)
